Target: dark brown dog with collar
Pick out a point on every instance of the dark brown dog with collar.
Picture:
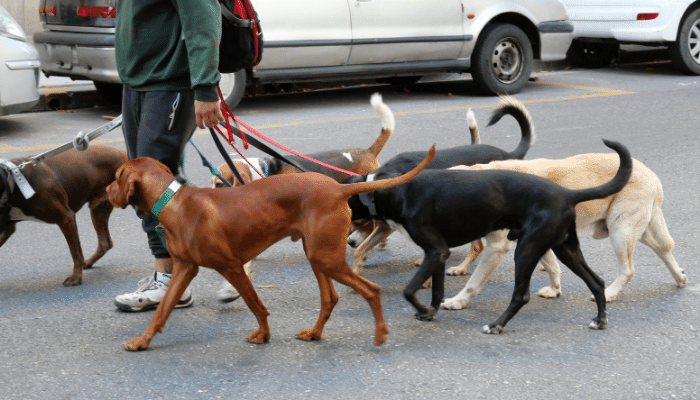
(224, 228)
(62, 185)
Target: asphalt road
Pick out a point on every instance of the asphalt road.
(66, 342)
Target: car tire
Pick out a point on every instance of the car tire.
(685, 51)
(233, 87)
(592, 55)
(502, 59)
(112, 92)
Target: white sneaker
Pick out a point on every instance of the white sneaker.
(149, 294)
(228, 293)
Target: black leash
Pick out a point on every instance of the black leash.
(226, 157)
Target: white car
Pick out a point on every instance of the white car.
(19, 68)
(396, 41)
(600, 26)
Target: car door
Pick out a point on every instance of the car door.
(385, 31)
(310, 33)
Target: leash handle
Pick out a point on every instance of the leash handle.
(226, 157)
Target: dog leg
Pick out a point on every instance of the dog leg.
(381, 231)
(329, 298)
(70, 232)
(433, 263)
(476, 248)
(550, 264)
(236, 275)
(9, 230)
(182, 276)
(656, 236)
(528, 252)
(99, 213)
(570, 254)
(497, 246)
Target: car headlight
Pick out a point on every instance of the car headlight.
(9, 27)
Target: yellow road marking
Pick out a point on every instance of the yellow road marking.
(597, 92)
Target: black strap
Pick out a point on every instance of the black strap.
(264, 148)
(233, 19)
(226, 157)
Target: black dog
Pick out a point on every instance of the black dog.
(448, 208)
(447, 158)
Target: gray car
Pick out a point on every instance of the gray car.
(394, 41)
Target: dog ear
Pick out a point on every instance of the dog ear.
(131, 190)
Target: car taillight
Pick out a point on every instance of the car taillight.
(51, 10)
(97, 12)
(647, 17)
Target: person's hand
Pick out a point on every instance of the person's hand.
(208, 113)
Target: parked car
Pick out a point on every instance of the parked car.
(600, 26)
(326, 40)
(19, 67)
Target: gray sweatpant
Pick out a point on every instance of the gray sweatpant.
(157, 125)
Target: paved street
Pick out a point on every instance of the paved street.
(66, 342)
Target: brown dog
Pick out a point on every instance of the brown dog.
(357, 160)
(62, 185)
(224, 228)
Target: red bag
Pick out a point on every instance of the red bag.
(241, 36)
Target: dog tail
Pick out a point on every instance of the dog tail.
(388, 124)
(615, 184)
(353, 189)
(473, 128)
(511, 106)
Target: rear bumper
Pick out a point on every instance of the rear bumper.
(87, 56)
(19, 76)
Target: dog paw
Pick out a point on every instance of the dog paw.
(427, 315)
(309, 335)
(136, 344)
(598, 323)
(682, 280)
(380, 335)
(454, 303)
(549, 292)
(259, 337)
(73, 280)
(456, 271)
(495, 330)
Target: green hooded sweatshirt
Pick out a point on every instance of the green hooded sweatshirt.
(169, 45)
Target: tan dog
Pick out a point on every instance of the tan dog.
(359, 161)
(634, 214)
(224, 228)
(63, 185)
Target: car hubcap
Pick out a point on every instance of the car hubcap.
(694, 41)
(506, 61)
(227, 82)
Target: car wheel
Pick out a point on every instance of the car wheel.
(592, 55)
(112, 92)
(502, 59)
(233, 87)
(685, 52)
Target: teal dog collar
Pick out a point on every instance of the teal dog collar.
(165, 198)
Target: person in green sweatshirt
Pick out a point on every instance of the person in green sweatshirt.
(167, 54)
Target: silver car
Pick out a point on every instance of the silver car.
(19, 67)
(394, 41)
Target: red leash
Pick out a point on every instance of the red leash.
(228, 113)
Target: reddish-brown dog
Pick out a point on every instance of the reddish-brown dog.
(63, 184)
(224, 228)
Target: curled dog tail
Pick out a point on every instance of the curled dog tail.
(615, 184)
(511, 106)
(353, 189)
(473, 128)
(388, 124)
